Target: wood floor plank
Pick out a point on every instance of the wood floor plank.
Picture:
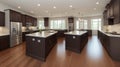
(93, 55)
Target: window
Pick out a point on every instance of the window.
(96, 24)
(81, 24)
(57, 24)
(41, 24)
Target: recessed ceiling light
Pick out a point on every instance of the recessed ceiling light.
(70, 6)
(94, 8)
(19, 7)
(38, 4)
(97, 3)
(54, 7)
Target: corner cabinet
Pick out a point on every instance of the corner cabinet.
(2, 19)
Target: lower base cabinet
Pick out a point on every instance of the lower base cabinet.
(4, 42)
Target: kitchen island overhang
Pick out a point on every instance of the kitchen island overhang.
(39, 44)
(76, 40)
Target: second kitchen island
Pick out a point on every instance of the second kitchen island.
(39, 45)
(76, 40)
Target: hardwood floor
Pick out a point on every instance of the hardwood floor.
(93, 55)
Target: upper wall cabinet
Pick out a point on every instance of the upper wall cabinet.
(112, 13)
(15, 16)
(116, 11)
(46, 21)
(105, 17)
(110, 9)
(23, 20)
(2, 19)
(31, 20)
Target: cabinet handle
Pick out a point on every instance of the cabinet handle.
(33, 39)
(39, 41)
(74, 37)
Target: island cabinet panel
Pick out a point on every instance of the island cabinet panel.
(34, 47)
(39, 47)
(73, 43)
(76, 42)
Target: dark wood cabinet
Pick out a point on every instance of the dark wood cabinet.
(31, 20)
(111, 43)
(38, 47)
(76, 42)
(116, 11)
(15, 16)
(46, 21)
(2, 19)
(23, 20)
(112, 13)
(4, 42)
(111, 9)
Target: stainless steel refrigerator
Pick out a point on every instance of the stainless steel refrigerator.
(15, 33)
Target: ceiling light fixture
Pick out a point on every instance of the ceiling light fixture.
(38, 4)
(19, 7)
(70, 6)
(54, 7)
(97, 3)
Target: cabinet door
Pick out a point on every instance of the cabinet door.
(15, 16)
(116, 11)
(4, 42)
(23, 20)
(72, 42)
(35, 21)
(34, 46)
(105, 18)
(111, 8)
(2, 19)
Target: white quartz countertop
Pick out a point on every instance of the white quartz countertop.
(76, 32)
(110, 35)
(43, 34)
(4, 34)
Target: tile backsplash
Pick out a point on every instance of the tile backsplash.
(31, 28)
(112, 28)
(4, 30)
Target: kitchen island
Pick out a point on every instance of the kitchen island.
(39, 45)
(76, 40)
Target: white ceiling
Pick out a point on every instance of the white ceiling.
(80, 7)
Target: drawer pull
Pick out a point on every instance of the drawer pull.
(39, 41)
(33, 39)
(74, 37)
